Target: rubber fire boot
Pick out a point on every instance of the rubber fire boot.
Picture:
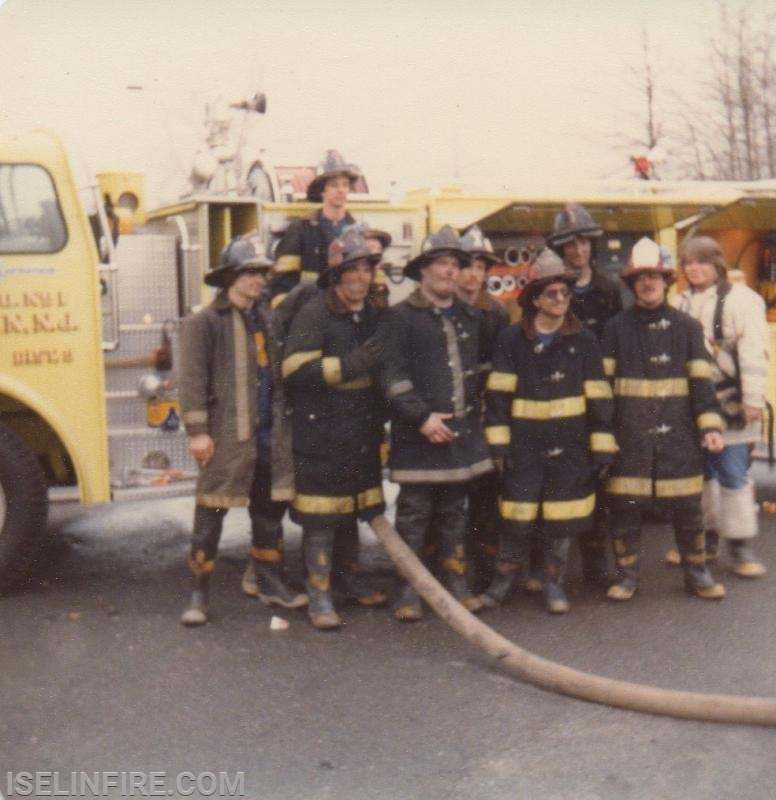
(506, 580)
(196, 612)
(745, 562)
(267, 558)
(534, 581)
(317, 544)
(626, 545)
(513, 557)
(359, 587)
(698, 579)
(710, 508)
(454, 573)
(205, 536)
(592, 551)
(271, 588)
(556, 553)
(348, 576)
(413, 513)
(738, 524)
(248, 582)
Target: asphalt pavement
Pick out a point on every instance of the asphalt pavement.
(98, 675)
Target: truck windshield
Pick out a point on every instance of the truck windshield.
(30, 217)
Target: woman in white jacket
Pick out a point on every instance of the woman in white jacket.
(736, 331)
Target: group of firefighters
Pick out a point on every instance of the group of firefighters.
(513, 431)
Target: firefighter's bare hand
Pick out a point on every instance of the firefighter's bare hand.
(435, 430)
(202, 448)
(713, 442)
(752, 414)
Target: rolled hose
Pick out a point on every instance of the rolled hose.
(566, 680)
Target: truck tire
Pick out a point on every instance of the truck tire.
(23, 508)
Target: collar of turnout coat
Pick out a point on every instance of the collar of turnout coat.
(418, 300)
(571, 325)
(336, 306)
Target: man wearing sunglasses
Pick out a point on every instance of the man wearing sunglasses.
(548, 419)
(594, 301)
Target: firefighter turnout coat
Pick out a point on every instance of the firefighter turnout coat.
(595, 304)
(739, 363)
(664, 402)
(302, 253)
(337, 427)
(432, 364)
(218, 395)
(549, 413)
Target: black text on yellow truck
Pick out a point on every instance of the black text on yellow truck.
(88, 327)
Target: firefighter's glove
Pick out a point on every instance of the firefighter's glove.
(362, 359)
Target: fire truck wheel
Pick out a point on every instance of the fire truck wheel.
(23, 508)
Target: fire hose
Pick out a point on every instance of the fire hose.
(557, 677)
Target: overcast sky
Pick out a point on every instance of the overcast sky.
(417, 92)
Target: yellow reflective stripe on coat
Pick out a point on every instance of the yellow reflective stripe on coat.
(290, 263)
(364, 382)
(679, 487)
(598, 390)
(319, 504)
(498, 434)
(308, 276)
(370, 497)
(519, 512)
(296, 360)
(548, 409)
(278, 299)
(332, 370)
(562, 510)
(663, 487)
(640, 487)
(603, 443)
(710, 420)
(642, 387)
(699, 368)
(502, 382)
(610, 366)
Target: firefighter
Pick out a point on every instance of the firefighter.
(483, 491)
(736, 331)
(224, 385)
(437, 443)
(594, 301)
(337, 416)
(549, 422)
(665, 412)
(596, 298)
(347, 574)
(302, 253)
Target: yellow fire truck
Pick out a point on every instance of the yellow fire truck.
(89, 329)
(89, 326)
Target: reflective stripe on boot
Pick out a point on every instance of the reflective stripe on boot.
(318, 546)
(698, 579)
(627, 559)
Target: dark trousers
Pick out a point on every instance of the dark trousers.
(266, 529)
(421, 507)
